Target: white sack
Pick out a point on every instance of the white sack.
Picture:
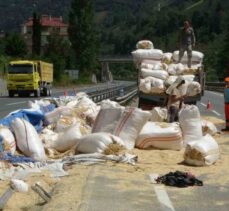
(159, 114)
(156, 66)
(27, 139)
(176, 69)
(67, 139)
(97, 142)
(130, 124)
(145, 86)
(54, 116)
(141, 54)
(190, 122)
(208, 127)
(204, 151)
(107, 119)
(172, 78)
(65, 122)
(196, 56)
(19, 185)
(160, 74)
(167, 57)
(8, 137)
(161, 136)
(144, 44)
(157, 85)
(193, 88)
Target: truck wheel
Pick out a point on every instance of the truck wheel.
(11, 93)
(45, 91)
(49, 91)
(37, 93)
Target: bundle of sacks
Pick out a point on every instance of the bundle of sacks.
(159, 70)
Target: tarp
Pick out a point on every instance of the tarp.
(33, 116)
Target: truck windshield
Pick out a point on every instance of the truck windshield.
(20, 69)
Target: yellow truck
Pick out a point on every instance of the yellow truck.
(25, 77)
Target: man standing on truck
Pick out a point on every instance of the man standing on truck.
(175, 99)
(187, 40)
(226, 103)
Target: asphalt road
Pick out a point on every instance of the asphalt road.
(8, 105)
(207, 198)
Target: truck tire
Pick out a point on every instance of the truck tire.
(45, 91)
(37, 93)
(11, 93)
(49, 91)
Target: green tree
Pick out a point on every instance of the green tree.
(57, 51)
(36, 36)
(82, 35)
(15, 45)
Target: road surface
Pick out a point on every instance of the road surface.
(109, 187)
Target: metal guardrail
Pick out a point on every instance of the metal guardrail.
(120, 93)
(215, 86)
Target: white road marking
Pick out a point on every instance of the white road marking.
(161, 193)
(203, 104)
(215, 112)
(163, 198)
(22, 102)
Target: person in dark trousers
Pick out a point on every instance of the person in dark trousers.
(226, 103)
(187, 41)
(175, 99)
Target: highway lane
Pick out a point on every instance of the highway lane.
(216, 99)
(8, 105)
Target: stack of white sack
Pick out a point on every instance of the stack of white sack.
(159, 114)
(201, 152)
(8, 140)
(97, 142)
(27, 139)
(144, 44)
(190, 122)
(151, 85)
(125, 123)
(161, 136)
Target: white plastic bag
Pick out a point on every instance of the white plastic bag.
(161, 136)
(27, 139)
(196, 56)
(8, 138)
(193, 88)
(130, 124)
(204, 151)
(97, 142)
